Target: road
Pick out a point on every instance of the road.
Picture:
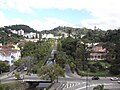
(80, 83)
(75, 82)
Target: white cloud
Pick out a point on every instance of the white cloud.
(102, 23)
(48, 24)
(106, 13)
(28, 5)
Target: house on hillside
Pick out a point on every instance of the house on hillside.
(20, 32)
(98, 52)
(9, 53)
(47, 36)
(31, 35)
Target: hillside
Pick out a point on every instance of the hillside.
(88, 34)
(6, 36)
(64, 29)
(25, 28)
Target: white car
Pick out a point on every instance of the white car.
(25, 69)
(114, 78)
(20, 78)
(118, 82)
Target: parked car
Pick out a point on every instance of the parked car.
(95, 78)
(20, 78)
(114, 78)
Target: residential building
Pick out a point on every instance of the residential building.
(30, 35)
(14, 31)
(98, 52)
(20, 32)
(9, 53)
(47, 36)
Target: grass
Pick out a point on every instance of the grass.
(100, 69)
(98, 73)
(15, 86)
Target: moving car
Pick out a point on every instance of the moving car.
(114, 78)
(95, 78)
(118, 82)
(25, 68)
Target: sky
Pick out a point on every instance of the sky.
(48, 14)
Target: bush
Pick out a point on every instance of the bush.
(93, 69)
(17, 75)
(72, 67)
(4, 87)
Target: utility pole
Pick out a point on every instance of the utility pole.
(86, 56)
(87, 80)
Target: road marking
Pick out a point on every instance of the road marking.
(72, 84)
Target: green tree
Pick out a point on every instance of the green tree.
(4, 67)
(17, 75)
(51, 71)
(69, 32)
(28, 49)
(81, 56)
(61, 58)
(72, 66)
(110, 51)
(17, 63)
(4, 87)
(69, 46)
(114, 69)
(99, 87)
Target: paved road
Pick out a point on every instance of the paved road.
(75, 82)
(80, 83)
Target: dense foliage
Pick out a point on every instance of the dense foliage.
(13, 86)
(34, 55)
(6, 36)
(76, 50)
(75, 53)
(19, 27)
(4, 67)
(50, 72)
(72, 49)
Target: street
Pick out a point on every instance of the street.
(80, 83)
(76, 82)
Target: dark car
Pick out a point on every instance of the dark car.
(95, 78)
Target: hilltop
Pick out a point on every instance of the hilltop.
(10, 34)
(65, 29)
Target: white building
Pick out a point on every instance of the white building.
(14, 31)
(30, 35)
(47, 36)
(20, 32)
(9, 53)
